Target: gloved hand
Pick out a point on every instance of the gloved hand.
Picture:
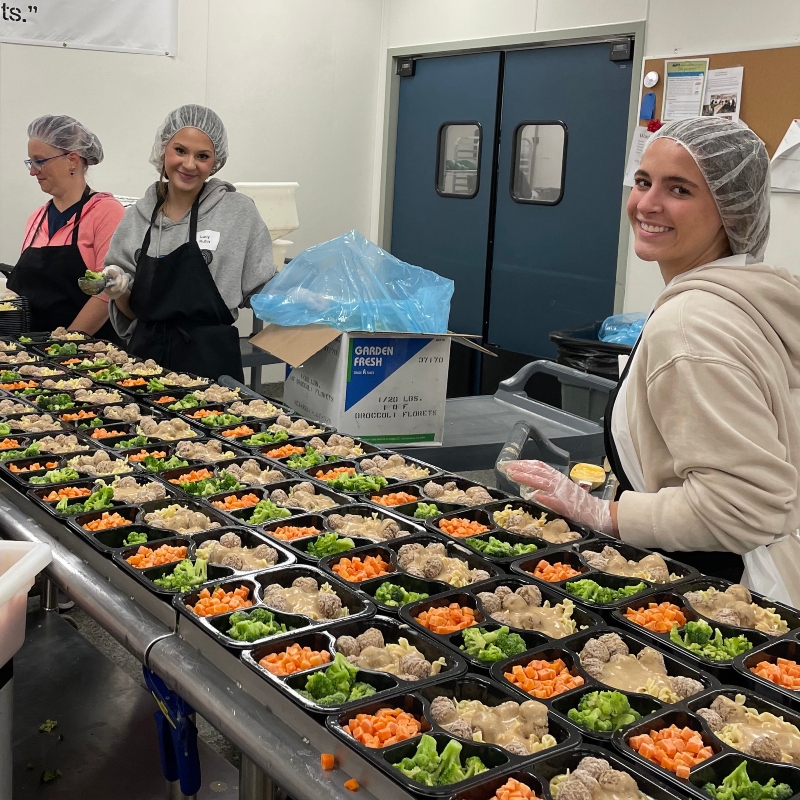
(117, 281)
(555, 490)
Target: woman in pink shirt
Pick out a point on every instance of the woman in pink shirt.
(69, 234)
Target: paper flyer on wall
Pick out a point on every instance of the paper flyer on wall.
(684, 88)
(785, 166)
(640, 137)
(723, 94)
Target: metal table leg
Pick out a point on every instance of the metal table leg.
(6, 720)
(254, 783)
(49, 595)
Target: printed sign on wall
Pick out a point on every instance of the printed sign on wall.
(127, 26)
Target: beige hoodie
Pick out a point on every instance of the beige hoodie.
(713, 406)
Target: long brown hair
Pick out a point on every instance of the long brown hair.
(162, 187)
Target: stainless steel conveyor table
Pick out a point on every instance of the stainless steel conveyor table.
(280, 743)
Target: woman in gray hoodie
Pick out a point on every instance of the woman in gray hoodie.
(187, 255)
(704, 430)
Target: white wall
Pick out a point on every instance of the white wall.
(674, 27)
(295, 84)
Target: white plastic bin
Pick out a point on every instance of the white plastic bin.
(20, 563)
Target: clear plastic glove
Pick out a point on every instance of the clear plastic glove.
(557, 492)
(117, 281)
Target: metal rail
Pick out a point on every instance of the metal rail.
(263, 737)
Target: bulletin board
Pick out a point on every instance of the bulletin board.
(770, 88)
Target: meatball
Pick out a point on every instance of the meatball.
(727, 616)
(574, 790)
(531, 595)
(279, 497)
(443, 710)
(416, 666)
(491, 602)
(432, 566)
(347, 646)
(594, 766)
(371, 637)
(746, 614)
(416, 572)
(502, 591)
(336, 521)
(436, 549)
(407, 553)
(740, 592)
(693, 598)
(391, 531)
(460, 728)
(230, 540)
(618, 784)
(433, 490)
(534, 713)
(614, 644)
(265, 552)
(713, 719)
(594, 648)
(593, 666)
(517, 749)
(277, 601)
(765, 747)
(513, 602)
(650, 657)
(594, 560)
(306, 584)
(587, 779)
(478, 575)
(728, 709)
(330, 606)
(233, 560)
(686, 687)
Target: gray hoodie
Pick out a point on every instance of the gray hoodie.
(241, 262)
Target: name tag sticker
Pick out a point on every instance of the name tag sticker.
(208, 240)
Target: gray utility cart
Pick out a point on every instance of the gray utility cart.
(477, 428)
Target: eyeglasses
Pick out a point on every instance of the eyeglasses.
(36, 164)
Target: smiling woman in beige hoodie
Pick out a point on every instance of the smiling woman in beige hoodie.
(704, 428)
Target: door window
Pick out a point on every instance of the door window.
(458, 159)
(540, 158)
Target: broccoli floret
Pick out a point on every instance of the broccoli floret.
(390, 593)
(512, 644)
(473, 766)
(319, 685)
(335, 699)
(738, 786)
(360, 690)
(699, 632)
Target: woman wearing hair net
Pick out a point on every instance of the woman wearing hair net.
(67, 235)
(703, 430)
(188, 255)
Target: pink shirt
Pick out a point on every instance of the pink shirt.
(99, 220)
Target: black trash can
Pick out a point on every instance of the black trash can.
(580, 348)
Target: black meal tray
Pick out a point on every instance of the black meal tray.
(241, 516)
(170, 449)
(322, 640)
(417, 702)
(262, 426)
(418, 486)
(536, 511)
(251, 539)
(389, 551)
(568, 650)
(723, 670)
(63, 427)
(311, 474)
(787, 647)
(194, 505)
(109, 541)
(684, 571)
(37, 495)
(725, 758)
(360, 608)
(366, 447)
(300, 546)
(433, 470)
(790, 615)
(22, 479)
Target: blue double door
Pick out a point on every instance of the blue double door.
(508, 180)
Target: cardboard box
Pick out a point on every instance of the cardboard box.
(386, 388)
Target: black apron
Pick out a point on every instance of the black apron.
(48, 278)
(718, 563)
(183, 323)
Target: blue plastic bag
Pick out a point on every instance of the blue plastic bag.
(352, 284)
(622, 328)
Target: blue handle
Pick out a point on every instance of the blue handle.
(177, 736)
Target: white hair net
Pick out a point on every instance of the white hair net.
(735, 164)
(68, 134)
(192, 116)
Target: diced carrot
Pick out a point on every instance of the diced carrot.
(327, 761)
(351, 785)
